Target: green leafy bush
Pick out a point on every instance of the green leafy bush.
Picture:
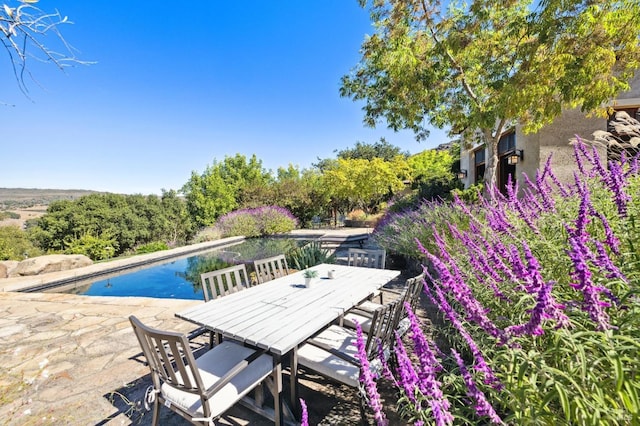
(15, 244)
(96, 248)
(256, 222)
(152, 247)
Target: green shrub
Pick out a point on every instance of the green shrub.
(15, 244)
(9, 215)
(96, 248)
(210, 233)
(309, 255)
(256, 222)
(152, 247)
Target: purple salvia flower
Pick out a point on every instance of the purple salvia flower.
(305, 414)
(616, 183)
(406, 373)
(366, 378)
(546, 308)
(595, 160)
(580, 255)
(610, 239)
(577, 150)
(427, 368)
(482, 406)
(386, 371)
(603, 261)
(480, 363)
(454, 283)
(564, 192)
(634, 166)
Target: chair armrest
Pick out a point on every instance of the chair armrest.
(333, 351)
(233, 372)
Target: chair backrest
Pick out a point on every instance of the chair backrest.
(270, 268)
(170, 358)
(224, 281)
(366, 257)
(414, 287)
(381, 327)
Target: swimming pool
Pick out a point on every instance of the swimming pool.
(180, 278)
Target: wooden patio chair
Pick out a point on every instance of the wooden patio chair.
(333, 352)
(270, 268)
(201, 390)
(224, 281)
(368, 258)
(219, 283)
(363, 312)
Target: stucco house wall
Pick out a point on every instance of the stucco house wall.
(555, 140)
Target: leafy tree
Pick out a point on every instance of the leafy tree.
(15, 244)
(483, 67)
(381, 149)
(107, 225)
(224, 186)
(300, 191)
(364, 183)
(430, 164)
(178, 226)
(208, 196)
(243, 176)
(22, 29)
(433, 175)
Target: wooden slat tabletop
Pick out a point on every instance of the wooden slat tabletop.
(280, 314)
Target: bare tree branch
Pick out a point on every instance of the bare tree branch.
(21, 30)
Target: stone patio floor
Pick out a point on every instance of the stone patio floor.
(74, 360)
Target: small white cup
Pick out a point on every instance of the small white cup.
(331, 274)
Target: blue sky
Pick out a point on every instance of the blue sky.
(177, 85)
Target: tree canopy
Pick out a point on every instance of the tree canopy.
(482, 67)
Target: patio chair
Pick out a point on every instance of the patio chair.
(368, 258)
(363, 312)
(224, 281)
(219, 283)
(200, 390)
(333, 352)
(270, 268)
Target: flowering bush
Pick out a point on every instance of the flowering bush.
(255, 222)
(539, 300)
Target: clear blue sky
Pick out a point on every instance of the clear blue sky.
(176, 85)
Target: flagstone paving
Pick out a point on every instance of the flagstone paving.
(74, 360)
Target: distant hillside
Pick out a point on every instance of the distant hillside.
(15, 198)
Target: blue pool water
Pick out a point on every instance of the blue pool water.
(180, 278)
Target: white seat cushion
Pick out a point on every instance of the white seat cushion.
(369, 306)
(215, 364)
(330, 365)
(350, 319)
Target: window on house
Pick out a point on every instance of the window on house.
(506, 145)
(479, 156)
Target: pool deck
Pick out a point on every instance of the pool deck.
(69, 359)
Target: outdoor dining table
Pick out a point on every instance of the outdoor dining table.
(281, 314)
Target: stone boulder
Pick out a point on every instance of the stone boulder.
(7, 267)
(51, 263)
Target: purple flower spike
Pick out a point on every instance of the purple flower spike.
(366, 378)
(305, 414)
(482, 406)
